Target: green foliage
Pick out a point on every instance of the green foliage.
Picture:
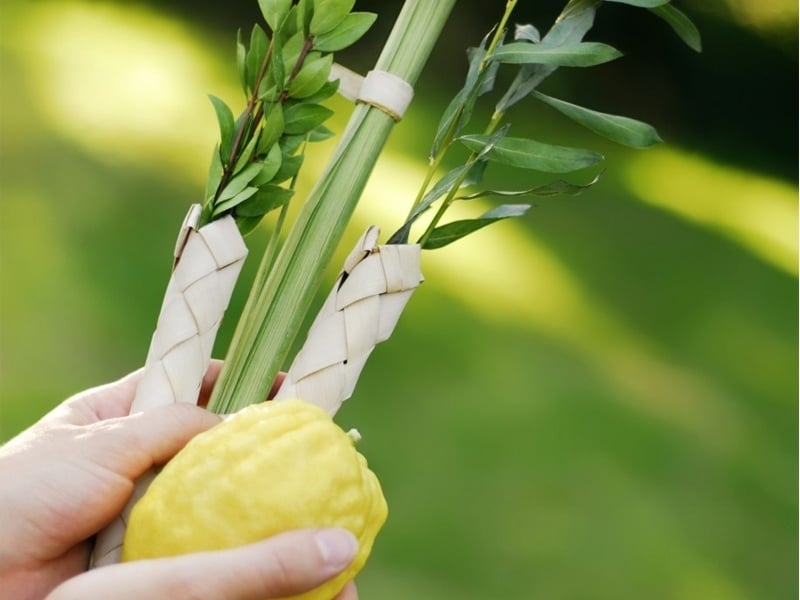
(535, 57)
(681, 24)
(524, 153)
(284, 75)
(582, 54)
(623, 130)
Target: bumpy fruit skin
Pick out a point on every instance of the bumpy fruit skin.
(270, 468)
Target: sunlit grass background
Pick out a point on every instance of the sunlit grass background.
(597, 402)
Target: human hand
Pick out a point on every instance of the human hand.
(71, 473)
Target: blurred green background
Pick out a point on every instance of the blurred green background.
(598, 402)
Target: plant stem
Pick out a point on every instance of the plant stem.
(497, 117)
(275, 313)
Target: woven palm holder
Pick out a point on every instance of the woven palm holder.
(361, 311)
(208, 261)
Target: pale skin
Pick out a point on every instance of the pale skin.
(71, 473)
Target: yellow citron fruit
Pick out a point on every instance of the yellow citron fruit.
(270, 468)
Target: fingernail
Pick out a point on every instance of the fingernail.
(337, 546)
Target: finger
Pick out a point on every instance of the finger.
(98, 403)
(209, 379)
(131, 445)
(349, 592)
(285, 565)
(276, 385)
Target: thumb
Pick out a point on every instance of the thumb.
(131, 445)
(284, 565)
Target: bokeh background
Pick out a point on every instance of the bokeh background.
(598, 402)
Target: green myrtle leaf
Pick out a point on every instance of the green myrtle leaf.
(530, 154)
(289, 168)
(554, 188)
(229, 203)
(274, 12)
(276, 75)
(304, 14)
(215, 172)
(226, 126)
(328, 14)
(325, 92)
(320, 134)
(246, 155)
(239, 182)
(292, 48)
(302, 118)
(273, 128)
(291, 143)
(241, 58)
(642, 3)
(581, 54)
(311, 77)
(247, 225)
(451, 232)
(346, 33)
(255, 55)
(681, 24)
(269, 166)
(623, 130)
(267, 198)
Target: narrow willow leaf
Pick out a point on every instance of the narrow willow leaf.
(289, 168)
(554, 188)
(269, 166)
(527, 32)
(311, 77)
(228, 204)
(255, 55)
(346, 33)
(302, 118)
(328, 14)
(215, 172)
(241, 58)
(226, 126)
(642, 3)
(446, 124)
(264, 200)
(681, 24)
(239, 183)
(469, 173)
(623, 130)
(274, 12)
(487, 79)
(451, 232)
(581, 54)
(457, 112)
(530, 154)
(572, 24)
